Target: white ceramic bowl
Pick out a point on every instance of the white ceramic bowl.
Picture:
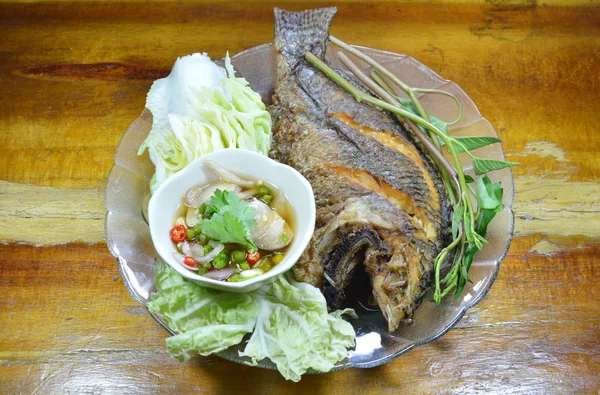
(167, 199)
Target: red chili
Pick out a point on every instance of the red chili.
(189, 261)
(178, 233)
(253, 256)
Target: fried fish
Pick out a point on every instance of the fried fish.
(380, 201)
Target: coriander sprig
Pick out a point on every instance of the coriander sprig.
(469, 223)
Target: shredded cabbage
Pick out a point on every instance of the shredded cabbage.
(193, 116)
(288, 320)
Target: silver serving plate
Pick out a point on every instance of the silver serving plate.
(128, 236)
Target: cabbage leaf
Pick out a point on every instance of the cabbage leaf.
(210, 116)
(207, 321)
(288, 322)
(294, 330)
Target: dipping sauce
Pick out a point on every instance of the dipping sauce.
(232, 229)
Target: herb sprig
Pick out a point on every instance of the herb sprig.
(469, 223)
(228, 219)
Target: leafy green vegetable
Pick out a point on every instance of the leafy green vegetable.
(469, 179)
(289, 321)
(231, 221)
(294, 330)
(457, 218)
(489, 196)
(489, 201)
(206, 321)
(191, 122)
(482, 166)
(471, 143)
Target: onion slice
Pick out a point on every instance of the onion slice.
(269, 227)
(251, 273)
(192, 218)
(227, 175)
(211, 255)
(194, 250)
(195, 196)
(220, 275)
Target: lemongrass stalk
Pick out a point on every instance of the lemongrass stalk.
(409, 91)
(446, 171)
(426, 141)
(375, 76)
(361, 96)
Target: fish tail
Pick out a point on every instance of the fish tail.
(299, 32)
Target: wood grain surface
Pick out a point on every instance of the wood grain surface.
(74, 75)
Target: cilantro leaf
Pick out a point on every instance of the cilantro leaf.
(232, 220)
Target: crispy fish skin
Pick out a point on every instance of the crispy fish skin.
(379, 200)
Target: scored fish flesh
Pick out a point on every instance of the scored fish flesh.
(380, 202)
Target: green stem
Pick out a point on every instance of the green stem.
(446, 169)
(441, 92)
(409, 91)
(441, 258)
(361, 96)
(381, 82)
(462, 194)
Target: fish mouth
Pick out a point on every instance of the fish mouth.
(358, 244)
(357, 272)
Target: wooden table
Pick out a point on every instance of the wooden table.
(74, 75)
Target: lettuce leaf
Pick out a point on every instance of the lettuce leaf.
(288, 320)
(213, 113)
(207, 321)
(294, 330)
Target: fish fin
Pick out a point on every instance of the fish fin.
(299, 32)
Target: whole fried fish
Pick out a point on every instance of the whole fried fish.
(380, 202)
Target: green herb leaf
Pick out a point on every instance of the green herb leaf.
(472, 143)
(482, 166)
(489, 196)
(209, 210)
(464, 275)
(232, 220)
(438, 123)
(460, 280)
(457, 219)
(469, 179)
